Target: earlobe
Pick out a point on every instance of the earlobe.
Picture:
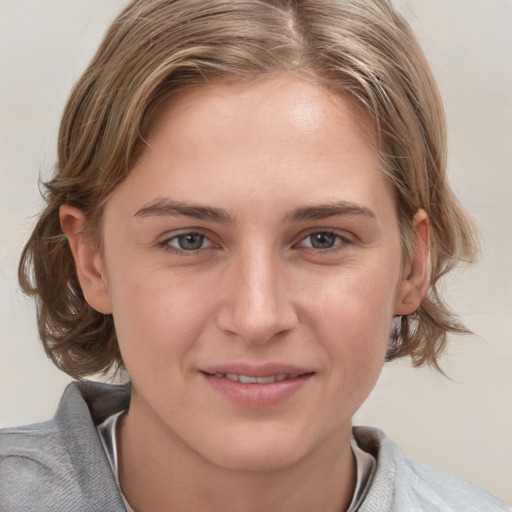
(415, 284)
(88, 260)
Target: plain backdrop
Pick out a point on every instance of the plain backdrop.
(462, 425)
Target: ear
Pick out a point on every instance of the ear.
(88, 260)
(416, 282)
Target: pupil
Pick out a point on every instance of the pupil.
(191, 241)
(322, 240)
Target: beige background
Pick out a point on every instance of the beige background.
(463, 425)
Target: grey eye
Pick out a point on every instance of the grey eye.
(322, 240)
(189, 242)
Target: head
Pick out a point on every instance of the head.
(158, 50)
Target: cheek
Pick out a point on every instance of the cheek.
(157, 320)
(357, 304)
(354, 318)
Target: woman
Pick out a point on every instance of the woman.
(249, 215)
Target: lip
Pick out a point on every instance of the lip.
(263, 370)
(259, 395)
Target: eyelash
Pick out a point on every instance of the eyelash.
(166, 244)
(340, 242)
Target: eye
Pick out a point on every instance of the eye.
(189, 242)
(323, 240)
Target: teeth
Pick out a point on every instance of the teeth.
(245, 379)
(266, 380)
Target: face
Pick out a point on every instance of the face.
(252, 264)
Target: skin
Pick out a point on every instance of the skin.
(284, 160)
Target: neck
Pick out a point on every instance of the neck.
(157, 471)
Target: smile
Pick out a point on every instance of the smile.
(246, 379)
(257, 391)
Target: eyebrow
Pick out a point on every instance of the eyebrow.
(177, 209)
(323, 211)
(163, 207)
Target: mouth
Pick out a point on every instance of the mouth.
(257, 387)
(247, 379)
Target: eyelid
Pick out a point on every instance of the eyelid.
(164, 240)
(203, 239)
(343, 239)
(189, 230)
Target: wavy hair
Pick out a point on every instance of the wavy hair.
(154, 49)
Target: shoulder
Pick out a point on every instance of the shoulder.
(60, 464)
(34, 467)
(401, 484)
(35, 445)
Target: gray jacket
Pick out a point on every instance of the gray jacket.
(60, 465)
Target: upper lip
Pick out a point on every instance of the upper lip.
(261, 370)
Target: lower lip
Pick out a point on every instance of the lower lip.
(257, 395)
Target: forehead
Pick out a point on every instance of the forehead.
(287, 106)
(281, 139)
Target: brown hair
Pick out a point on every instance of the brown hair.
(154, 49)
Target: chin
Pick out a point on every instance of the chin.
(256, 459)
(261, 449)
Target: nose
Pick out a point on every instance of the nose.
(255, 305)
